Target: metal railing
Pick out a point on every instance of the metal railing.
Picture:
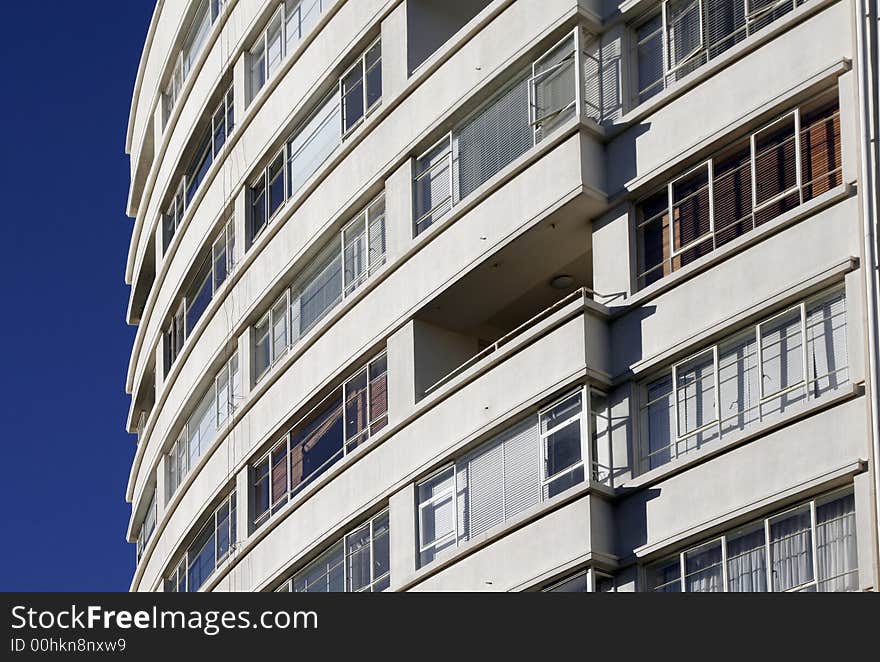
(581, 294)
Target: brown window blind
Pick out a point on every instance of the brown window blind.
(776, 190)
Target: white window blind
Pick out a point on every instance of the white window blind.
(501, 478)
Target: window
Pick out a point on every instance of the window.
(172, 218)
(530, 462)
(686, 34)
(287, 27)
(213, 408)
(553, 88)
(345, 419)
(311, 144)
(209, 275)
(585, 581)
(197, 35)
(212, 544)
(360, 88)
(357, 253)
(223, 121)
(359, 562)
(148, 526)
(739, 189)
(758, 374)
(363, 245)
(809, 548)
(528, 108)
(208, 144)
(561, 439)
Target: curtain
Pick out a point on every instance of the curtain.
(791, 551)
(836, 550)
(746, 562)
(704, 570)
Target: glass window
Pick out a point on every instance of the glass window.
(275, 176)
(211, 545)
(433, 184)
(437, 514)
(750, 377)
(560, 427)
(343, 420)
(274, 45)
(501, 477)
(358, 562)
(696, 31)
(262, 347)
(313, 143)
(553, 88)
(361, 87)
(743, 186)
(258, 207)
(785, 552)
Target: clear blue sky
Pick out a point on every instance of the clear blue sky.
(69, 70)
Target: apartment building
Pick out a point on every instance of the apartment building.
(508, 295)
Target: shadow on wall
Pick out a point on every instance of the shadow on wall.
(631, 521)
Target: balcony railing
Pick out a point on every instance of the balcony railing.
(581, 294)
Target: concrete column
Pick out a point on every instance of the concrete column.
(869, 566)
(399, 211)
(402, 522)
(242, 504)
(855, 331)
(624, 443)
(158, 126)
(849, 126)
(395, 70)
(244, 362)
(239, 87)
(161, 486)
(401, 374)
(160, 363)
(239, 206)
(157, 240)
(612, 268)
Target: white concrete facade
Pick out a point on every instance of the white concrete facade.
(525, 293)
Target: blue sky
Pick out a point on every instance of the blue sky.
(68, 76)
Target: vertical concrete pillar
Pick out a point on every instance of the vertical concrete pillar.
(401, 373)
(161, 486)
(239, 220)
(399, 211)
(160, 362)
(242, 505)
(402, 521)
(612, 267)
(395, 70)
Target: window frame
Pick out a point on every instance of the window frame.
(367, 108)
(180, 572)
(798, 186)
(582, 394)
(671, 260)
(762, 524)
(258, 519)
(452, 494)
(759, 407)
